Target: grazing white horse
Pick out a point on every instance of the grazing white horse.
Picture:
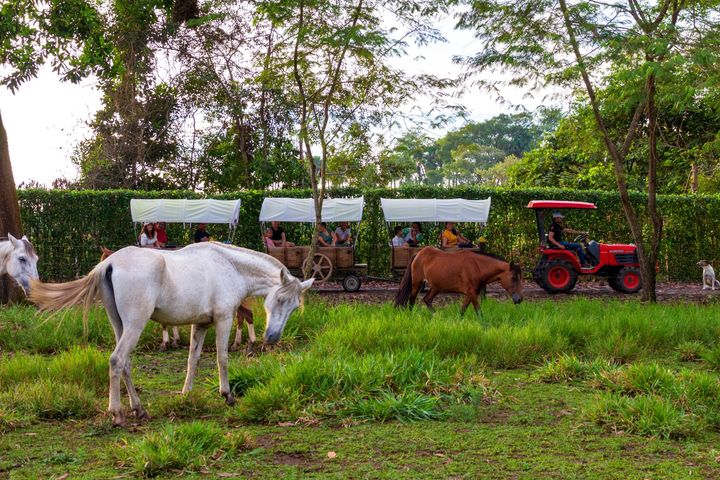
(19, 260)
(202, 285)
(244, 315)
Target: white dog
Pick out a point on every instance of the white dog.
(709, 280)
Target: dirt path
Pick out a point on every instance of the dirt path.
(380, 291)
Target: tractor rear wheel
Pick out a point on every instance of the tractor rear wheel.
(558, 276)
(626, 280)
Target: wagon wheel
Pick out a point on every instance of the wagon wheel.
(321, 267)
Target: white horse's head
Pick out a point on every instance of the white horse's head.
(281, 302)
(20, 261)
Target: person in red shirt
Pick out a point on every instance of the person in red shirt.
(161, 234)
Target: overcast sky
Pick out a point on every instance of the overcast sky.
(46, 118)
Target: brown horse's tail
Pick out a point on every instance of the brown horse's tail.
(402, 297)
(83, 291)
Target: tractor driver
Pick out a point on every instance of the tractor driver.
(555, 235)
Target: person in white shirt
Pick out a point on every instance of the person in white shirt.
(398, 240)
(148, 237)
(343, 235)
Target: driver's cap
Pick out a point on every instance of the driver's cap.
(558, 215)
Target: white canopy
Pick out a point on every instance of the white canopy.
(303, 210)
(185, 211)
(435, 210)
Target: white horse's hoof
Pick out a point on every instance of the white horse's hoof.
(229, 398)
(141, 414)
(119, 420)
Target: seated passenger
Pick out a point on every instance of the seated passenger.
(148, 237)
(325, 238)
(413, 234)
(451, 237)
(161, 235)
(276, 234)
(343, 237)
(398, 240)
(201, 234)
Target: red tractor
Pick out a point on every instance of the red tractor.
(558, 270)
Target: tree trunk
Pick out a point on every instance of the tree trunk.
(651, 256)
(9, 212)
(694, 177)
(647, 259)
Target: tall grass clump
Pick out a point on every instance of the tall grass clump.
(83, 366)
(45, 399)
(643, 379)
(190, 446)
(651, 416)
(712, 356)
(569, 368)
(651, 400)
(396, 383)
(410, 406)
(67, 385)
(690, 351)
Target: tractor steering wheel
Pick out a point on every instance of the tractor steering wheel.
(581, 238)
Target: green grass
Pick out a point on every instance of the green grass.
(577, 389)
(24, 330)
(189, 446)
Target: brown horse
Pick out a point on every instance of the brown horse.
(464, 271)
(244, 314)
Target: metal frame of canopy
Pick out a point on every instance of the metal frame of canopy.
(429, 210)
(187, 212)
(329, 263)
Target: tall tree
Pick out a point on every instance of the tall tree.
(540, 43)
(338, 55)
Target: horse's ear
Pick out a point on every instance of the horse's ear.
(306, 284)
(284, 276)
(14, 241)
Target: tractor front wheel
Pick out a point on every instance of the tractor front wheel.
(558, 276)
(626, 280)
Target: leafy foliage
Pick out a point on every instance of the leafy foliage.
(67, 227)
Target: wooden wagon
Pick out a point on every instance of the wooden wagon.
(328, 263)
(429, 210)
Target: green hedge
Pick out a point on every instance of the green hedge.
(67, 226)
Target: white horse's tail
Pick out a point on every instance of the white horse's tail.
(83, 291)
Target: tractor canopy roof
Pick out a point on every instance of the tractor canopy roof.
(540, 204)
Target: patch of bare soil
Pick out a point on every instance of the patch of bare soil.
(377, 291)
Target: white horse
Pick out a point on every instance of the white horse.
(19, 260)
(202, 284)
(244, 315)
